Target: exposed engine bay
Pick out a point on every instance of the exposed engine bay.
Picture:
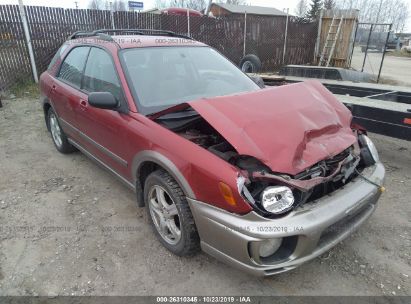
(323, 178)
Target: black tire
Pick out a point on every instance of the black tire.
(250, 64)
(189, 243)
(64, 147)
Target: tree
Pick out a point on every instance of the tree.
(235, 2)
(118, 5)
(329, 4)
(301, 8)
(96, 4)
(315, 8)
(381, 11)
(197, 5)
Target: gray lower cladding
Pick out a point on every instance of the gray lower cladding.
(306, 232)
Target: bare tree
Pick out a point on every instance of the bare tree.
(301, 8)
(161, 4)
(96, 4)
(382, 11)
(235, 2)
(119, 5)
(192, 4)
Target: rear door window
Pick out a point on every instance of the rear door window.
(100, 74)
(73, 65)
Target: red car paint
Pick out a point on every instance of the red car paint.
(288, 128)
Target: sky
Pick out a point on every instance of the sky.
(279, 4)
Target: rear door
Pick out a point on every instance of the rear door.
(103, 131)
(65, 92)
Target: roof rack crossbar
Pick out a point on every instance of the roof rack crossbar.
(103, 33)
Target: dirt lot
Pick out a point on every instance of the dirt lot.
(70, 228)
(395, 69)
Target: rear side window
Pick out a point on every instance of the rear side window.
(100, 74)
(73, 65)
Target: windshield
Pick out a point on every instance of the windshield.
(161, 77)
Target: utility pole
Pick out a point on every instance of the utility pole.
(28, 40)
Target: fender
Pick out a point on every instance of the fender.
(166, 164)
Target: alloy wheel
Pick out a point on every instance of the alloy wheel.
(165, 215)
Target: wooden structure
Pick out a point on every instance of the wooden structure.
(344, 43)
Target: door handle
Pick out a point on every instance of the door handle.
(83, 103)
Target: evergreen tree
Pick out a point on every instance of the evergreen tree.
(314, 11)
(329, 4)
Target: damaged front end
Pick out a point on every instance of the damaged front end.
(277, 172)
(293, 191)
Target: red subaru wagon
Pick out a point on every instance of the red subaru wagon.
(264, 179)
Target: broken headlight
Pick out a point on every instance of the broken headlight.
(277, 199)
(369, 153)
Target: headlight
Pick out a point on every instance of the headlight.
(277, 199)
(367, 143)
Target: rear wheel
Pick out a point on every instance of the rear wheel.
(57, 134)
(170, 214)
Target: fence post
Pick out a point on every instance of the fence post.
(366, 49)
(188, 22)
(349, 60)
(383, 54)
(285, 37)
(28, 40)
(245, 31)
(112, 16)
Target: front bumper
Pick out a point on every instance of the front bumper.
(307, 232)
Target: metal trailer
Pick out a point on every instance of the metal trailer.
(382, 109)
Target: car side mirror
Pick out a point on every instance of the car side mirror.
(102, 100)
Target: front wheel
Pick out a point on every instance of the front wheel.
(170, 214)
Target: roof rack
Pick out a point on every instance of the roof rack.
(103, 33)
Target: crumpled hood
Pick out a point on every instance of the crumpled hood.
(289, 128)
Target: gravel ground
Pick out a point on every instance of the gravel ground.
(67, 227)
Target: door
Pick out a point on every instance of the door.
(65, 91)
(103, 131)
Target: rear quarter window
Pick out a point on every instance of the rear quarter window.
(57, 56)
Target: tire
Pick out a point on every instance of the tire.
(57, 134)
(250, 64)
(176, 214)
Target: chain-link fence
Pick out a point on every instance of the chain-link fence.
(370, 45)
(276, 40)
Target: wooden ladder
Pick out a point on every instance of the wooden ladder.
(331, 41)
